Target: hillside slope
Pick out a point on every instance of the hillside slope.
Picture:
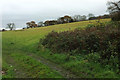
(26, 42)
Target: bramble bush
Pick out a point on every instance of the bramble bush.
(101, 38)
(85, 41)
(116, 16)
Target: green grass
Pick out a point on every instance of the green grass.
(27, 40)
(80, 65)
(8, 70)
(34, 68)
(18, 43)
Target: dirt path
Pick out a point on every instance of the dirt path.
(19, 72)
(61, 70)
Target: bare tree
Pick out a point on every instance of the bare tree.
(11, 26)
(77, 18)
(114, 10)
(113, 6)
(90, 15)
(83, 17)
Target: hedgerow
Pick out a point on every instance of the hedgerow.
(101, 38)
(91, 39)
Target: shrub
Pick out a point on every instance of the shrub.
(93, 57)
(116, 16)
(99, 38)
(85, 41)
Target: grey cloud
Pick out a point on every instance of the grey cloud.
(21, 11)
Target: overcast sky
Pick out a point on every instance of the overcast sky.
(21, 11)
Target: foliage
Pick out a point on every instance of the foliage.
(96, 38)
(92, 39)
(27, 43)
(115, 16)
(31, 24)
(101, 17)
(114, 10)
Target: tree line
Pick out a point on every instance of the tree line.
(113, 8)
(65, 19)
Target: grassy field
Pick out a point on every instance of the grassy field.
(18, 45)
